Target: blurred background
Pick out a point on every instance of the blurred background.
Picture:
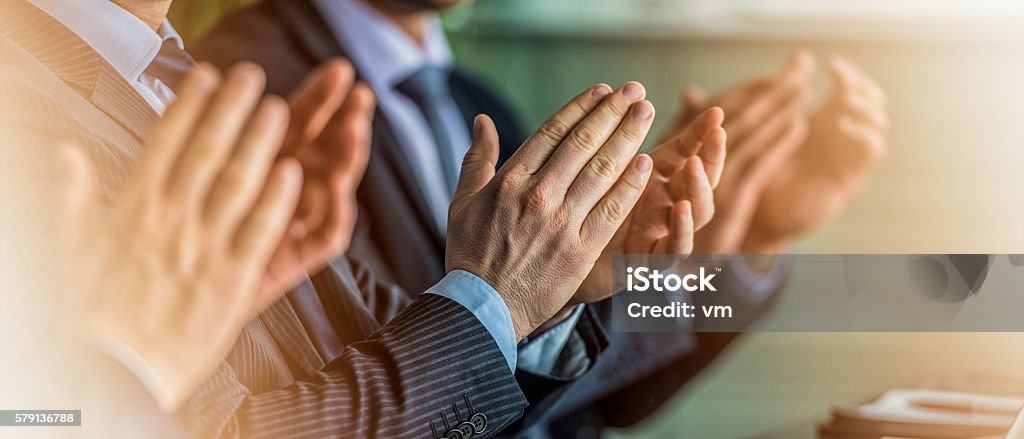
(953, 181)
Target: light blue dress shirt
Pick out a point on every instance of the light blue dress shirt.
(385, 56)
(483, 301)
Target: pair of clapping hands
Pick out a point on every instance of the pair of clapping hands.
(237, 197)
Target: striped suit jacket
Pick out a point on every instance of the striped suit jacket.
(430, 369)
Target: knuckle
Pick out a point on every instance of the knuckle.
(612, 210)
(559, 221)
(631, 134)
(604, 168)
(633, 187)
(553, 130)
(537, 198)
(507, 184)
(583, 137)
(472, 157)
(578, 107)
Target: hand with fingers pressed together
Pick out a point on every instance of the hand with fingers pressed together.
(677, 202)
(788, 172)
(534, 229)
(174, 265)
(329, 135)
(845, 142)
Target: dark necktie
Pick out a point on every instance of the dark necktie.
(428, 89)
(171, 65)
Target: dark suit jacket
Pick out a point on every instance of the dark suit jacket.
(395, 235)
(433, 366)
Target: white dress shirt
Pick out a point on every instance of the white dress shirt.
(121, 38)
(385, 56)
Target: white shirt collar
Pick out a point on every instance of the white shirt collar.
(121, 38)
(382, 53)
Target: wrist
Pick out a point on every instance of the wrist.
(562, 315)
(167, 379)
(522, 319)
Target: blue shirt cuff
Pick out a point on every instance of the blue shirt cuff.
(540, 355)
(486, 305)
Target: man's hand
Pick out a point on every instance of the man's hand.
(534, 229)
(678, 201)
(172, 268)
(329, 135)
(844, 144)
(766, 124)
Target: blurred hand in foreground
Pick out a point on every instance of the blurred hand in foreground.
(534, 229)
(174, 266)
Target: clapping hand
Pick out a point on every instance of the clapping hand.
(789, 172)
(845, 142)
(534, 229)
(677, 202)
(329, 136)
(174, 265)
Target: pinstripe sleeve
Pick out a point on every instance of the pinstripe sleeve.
(431, 368)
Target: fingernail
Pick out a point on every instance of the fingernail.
(643, 163)
(633, 91)
(642, 110)
(600, 91)
(476, 126)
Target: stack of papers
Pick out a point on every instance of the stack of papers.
(921, 413)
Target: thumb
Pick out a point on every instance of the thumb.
(482, 157)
